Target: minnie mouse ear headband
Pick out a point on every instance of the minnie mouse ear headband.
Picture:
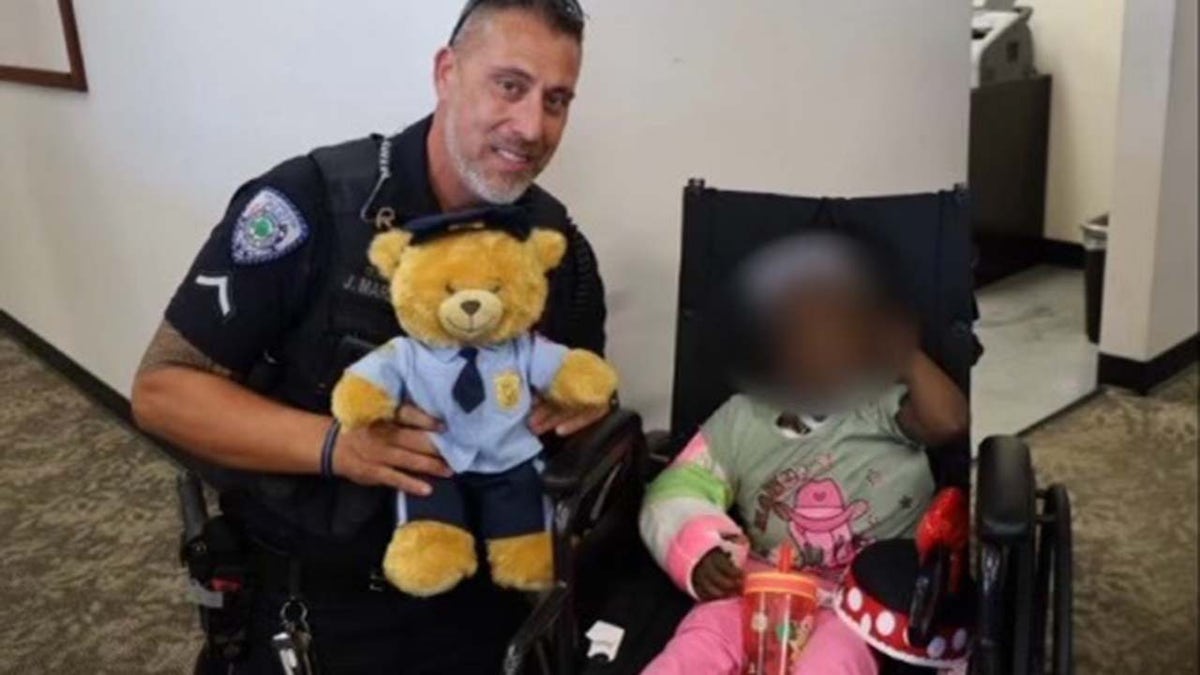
(911, 600)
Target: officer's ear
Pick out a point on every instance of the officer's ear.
(549, 247)
(386, 250)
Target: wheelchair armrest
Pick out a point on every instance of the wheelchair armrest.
(1006, 508)
(588, 456)
(658, 443)
(658, 453)
(537, 626)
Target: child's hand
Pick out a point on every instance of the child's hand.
(716, 577)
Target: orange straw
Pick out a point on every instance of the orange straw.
(787, 557)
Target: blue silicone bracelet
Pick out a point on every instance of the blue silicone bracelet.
(327, 449)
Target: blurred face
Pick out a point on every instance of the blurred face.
(504, 92)
(830, 342)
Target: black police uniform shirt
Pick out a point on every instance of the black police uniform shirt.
(253, 278)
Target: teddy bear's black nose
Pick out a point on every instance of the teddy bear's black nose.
(470, 307)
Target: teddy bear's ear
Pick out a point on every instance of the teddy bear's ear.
(385, 251)
(549, 246)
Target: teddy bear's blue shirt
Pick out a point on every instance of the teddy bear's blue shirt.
(495, 436)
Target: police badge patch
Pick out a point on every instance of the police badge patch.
(269, 228)
(508, 390)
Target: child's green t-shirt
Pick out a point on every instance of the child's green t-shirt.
(830, 486)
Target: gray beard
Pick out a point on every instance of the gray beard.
(475, 181)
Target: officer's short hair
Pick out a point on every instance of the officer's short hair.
(565, 16)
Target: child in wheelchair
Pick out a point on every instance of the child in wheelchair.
(824, 452)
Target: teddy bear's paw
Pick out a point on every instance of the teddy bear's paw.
(584, 381)
(525, 562)
(426, 557)
(358, 403)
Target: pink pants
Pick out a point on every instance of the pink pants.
(709, 642)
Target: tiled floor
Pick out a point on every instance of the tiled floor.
(1037, 359)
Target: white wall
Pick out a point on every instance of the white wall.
(1175, 298)
(105, 197)
(31, 35)
(1079, 43)
(1151, 283)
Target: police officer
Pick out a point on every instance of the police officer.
(282, 297)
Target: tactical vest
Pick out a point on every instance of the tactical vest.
(349, 313)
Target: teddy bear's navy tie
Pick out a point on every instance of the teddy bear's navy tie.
(468, 388)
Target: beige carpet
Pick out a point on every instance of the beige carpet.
(1130, 467)
(88, 536)
(88, 531)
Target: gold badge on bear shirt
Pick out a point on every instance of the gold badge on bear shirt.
(508, 390)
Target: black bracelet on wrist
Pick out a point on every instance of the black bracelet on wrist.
(327, 449)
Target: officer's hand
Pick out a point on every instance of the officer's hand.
(546, 416)
(391, 454)
(716, 577)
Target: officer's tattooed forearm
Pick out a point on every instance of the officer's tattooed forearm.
(169, 348)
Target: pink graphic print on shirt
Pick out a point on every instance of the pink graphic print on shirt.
(820, 524)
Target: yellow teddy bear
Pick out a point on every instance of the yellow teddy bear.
(467, 289)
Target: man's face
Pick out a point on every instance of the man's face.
(505, 91)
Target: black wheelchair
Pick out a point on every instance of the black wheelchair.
(1022, 535)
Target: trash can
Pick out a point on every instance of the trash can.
(1095, 249)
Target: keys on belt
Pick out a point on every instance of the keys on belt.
(293, 643)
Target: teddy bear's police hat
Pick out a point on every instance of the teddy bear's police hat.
(511, 219)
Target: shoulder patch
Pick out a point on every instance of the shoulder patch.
(269, 228)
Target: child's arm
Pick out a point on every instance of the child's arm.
(684, 519)
(935, 412)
